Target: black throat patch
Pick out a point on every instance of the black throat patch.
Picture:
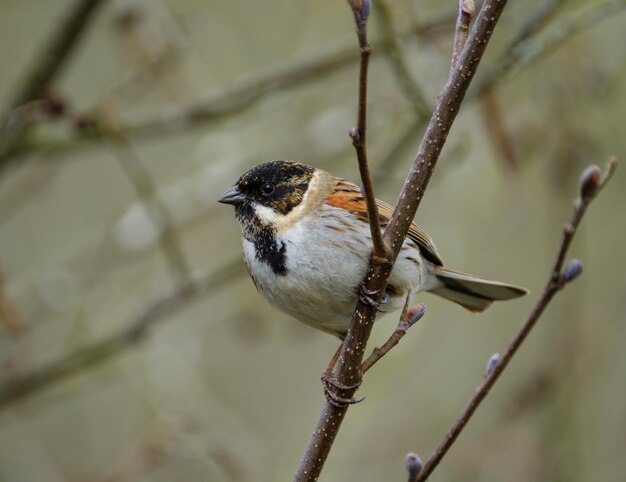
(266, 246)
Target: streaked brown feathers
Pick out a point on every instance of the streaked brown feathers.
(348, 196)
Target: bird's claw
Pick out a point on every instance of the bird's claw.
(366, 296)
(331, 388)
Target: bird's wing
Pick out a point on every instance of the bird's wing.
(348, 196)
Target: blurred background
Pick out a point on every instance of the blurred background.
(134, 347)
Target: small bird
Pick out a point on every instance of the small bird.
(307, 242)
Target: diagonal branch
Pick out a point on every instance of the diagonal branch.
(349, 366)
(592, 182)
(358, 134)
(44, 72)
(96, 353)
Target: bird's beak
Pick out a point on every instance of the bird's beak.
(232, 196)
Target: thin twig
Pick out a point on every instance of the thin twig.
(94, 354)
(349, 365)
(461, 30)
(407, 319)
(358, 134)
(592, 183)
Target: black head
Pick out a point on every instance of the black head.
(279, 185)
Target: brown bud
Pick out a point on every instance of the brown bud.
(590, 181)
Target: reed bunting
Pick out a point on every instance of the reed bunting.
(307, 242)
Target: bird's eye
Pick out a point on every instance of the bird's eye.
(267, 190)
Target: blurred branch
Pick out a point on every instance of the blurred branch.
(10, 315)
(242, 94)
(55, 52)
(137, 329)
(527, 49)
(592, 182)
(349, 366)
(45, 69)
(492, 112)
(411, 88)
(146, 190)
(521, 52)
(496, 129)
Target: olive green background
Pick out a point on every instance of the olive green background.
(227, 388)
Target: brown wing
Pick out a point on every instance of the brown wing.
(349, 197)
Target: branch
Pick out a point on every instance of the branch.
(242, 94)
(55, 52)
(448, 105)
(527, 49)
(361, 9)
(412, 90)
(592, 182)
(147, 192)
(461, 30)
(44, 71)
(92, 355)
(408, 318)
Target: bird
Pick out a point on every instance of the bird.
(307, 243)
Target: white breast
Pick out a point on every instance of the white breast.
(325, 263)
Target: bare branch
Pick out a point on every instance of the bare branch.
(55, 52)
(349, 366)
(461, 30)
(92, 355)
(44, 71)
(408, 318)
(361, 9)
(592, 182)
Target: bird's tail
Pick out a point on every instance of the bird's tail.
(473, 293)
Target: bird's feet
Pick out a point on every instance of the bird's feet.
(333, 389)
(366, 296)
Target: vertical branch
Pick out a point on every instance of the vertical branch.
(361, 10)
(412, 89)
(461, 30)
